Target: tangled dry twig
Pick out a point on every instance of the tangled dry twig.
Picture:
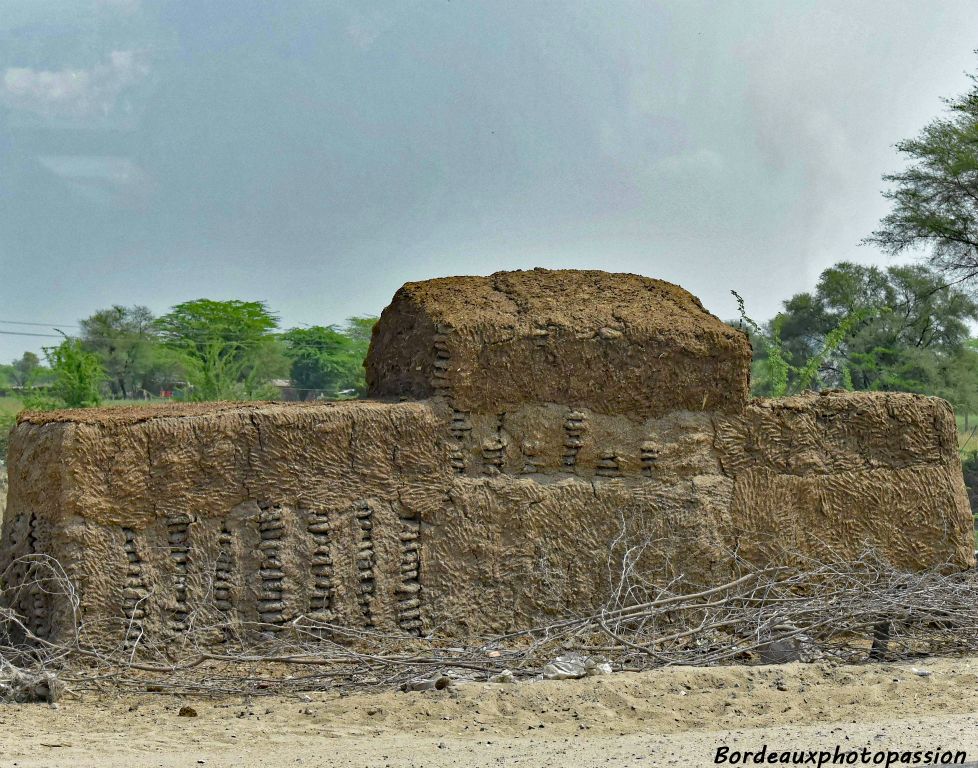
(824, 610)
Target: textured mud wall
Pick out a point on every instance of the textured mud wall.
(571, 416)
(841, 472)
(541, 532)
(612, 343)
(255, 513)
(395, 517)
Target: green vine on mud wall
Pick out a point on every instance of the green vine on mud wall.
(770, 344)
(784, 378)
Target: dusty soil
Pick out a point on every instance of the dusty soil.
(668, 717)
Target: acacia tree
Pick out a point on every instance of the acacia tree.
(78, 376)
(228, 347)
(330, 358)
(864, 327)
(127, 342)
(935, 199)
(25, 369)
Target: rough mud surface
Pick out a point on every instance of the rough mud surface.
(134, 414)
(841, 471)
(491, 343)
(388, 516)
(251, 512)
(670, 717)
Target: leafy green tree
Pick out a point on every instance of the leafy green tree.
(961, 376)
(360, 330)
(330, 358)
(127, 343)
(228, 348)
(78, 376)
(868, 328)
(26, 369)
(935, 198)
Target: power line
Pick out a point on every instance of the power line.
(45, 325)
(196, 333)
(24, 333)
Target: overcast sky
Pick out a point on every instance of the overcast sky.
(318, 154)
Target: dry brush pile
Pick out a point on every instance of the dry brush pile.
(848, 612)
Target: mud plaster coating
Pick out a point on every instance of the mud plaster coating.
(612, 343)
(416, 516)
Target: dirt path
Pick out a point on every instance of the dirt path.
(671, 717)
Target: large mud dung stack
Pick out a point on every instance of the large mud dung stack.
(612, 343)
(357, 514)
(573, 417)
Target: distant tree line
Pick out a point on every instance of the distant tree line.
(199, 350)
(868, 328)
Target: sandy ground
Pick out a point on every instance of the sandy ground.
(669, 717)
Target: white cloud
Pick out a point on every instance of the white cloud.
(73, 92)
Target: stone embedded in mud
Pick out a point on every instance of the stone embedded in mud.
(612, 343)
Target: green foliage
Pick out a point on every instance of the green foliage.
(770, 367)
(127, 343)
(9, 408)
(779, 377)
(7, 421)
(935, 199)
(868, 328)
(78, 376)
(228, 348)
(330, 358)
(203, 350)
(24, 371)
(360, 329)
(833, 341)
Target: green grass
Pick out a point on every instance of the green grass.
(10, 406)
